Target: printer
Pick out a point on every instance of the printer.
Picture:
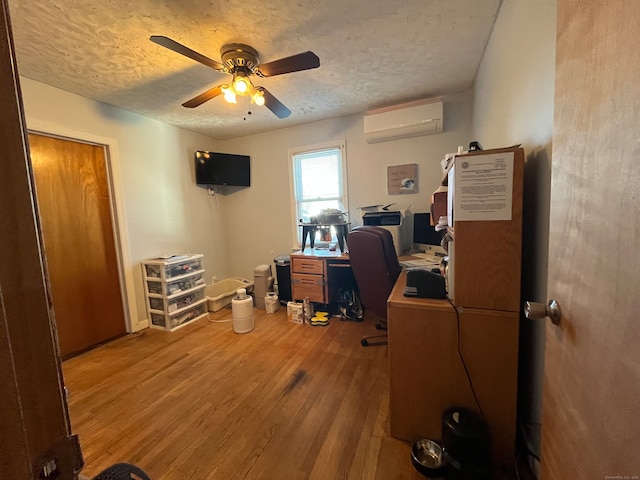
(392, 220)
(382, 218)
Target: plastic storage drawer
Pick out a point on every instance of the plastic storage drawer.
(174, 286)
(174, 268)
(179, 318)
(176, 302)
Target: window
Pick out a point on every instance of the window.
(319, 181)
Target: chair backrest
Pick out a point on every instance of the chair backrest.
(375, 265)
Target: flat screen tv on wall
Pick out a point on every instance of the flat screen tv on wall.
(229, 169)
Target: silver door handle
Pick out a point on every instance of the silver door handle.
(538, 311)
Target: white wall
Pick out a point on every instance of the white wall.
(259, 224)
(161, 210)
(513, 103)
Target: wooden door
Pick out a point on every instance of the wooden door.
(590, 421)
(34, 422)
(72, 192)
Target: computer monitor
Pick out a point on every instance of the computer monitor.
(425, 236)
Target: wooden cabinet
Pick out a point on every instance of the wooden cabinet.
(427, 375)
(308, 278)
(485, 256)
(431, 341)
(319, 275)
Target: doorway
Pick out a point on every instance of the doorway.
(74, 206)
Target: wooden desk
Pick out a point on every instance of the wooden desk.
(427, 375)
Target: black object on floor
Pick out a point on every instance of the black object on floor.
(122, 471)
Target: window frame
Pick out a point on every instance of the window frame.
(292, 152)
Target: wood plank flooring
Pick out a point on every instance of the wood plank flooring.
(285, 401)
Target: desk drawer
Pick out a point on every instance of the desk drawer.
(312, 286)
(307, 265)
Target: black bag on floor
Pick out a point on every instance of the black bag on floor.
(349, 305)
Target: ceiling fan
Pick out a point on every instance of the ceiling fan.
(242, 61)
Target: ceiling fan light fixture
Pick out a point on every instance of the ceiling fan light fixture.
(229, 93)
(241, 83)
(257, 97)
(242, 61)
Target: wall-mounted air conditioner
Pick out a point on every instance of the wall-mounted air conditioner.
(423, 117)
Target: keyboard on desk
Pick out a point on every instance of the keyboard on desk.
(428, 255)
(425, 260)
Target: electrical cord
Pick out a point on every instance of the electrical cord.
(525, 442)
(531, 454)
(464, 364)
(524, 448)
(224, 320)
(516, 465)
(213, 197)
(527, 450)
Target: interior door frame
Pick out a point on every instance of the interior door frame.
(116, 200)
(34, 418)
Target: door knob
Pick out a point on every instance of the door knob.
(538, 311)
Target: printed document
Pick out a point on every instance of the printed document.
(483, 187)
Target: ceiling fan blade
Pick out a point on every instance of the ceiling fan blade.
(186, 51)
(204, 97)
(275, 105)
(294, 63)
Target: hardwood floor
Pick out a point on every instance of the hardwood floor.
(285, 401)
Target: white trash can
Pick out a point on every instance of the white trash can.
(262, 284)
(242, 312)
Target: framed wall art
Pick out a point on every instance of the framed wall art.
(402, 179)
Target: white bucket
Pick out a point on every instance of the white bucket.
(271, 304)
(242, 311)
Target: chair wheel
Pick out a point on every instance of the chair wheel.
(379, 326)
(364, 342)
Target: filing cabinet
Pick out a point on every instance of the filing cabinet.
(309, 278)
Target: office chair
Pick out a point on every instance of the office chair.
(375, 267)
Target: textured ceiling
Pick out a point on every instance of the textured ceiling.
(373, 53)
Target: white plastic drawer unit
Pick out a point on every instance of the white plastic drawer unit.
(174, 290)
(173, 267)
(177, 301)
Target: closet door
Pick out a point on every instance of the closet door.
(72, 193)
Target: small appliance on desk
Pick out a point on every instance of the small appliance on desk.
(382, 218)
(424, 283)
(328, 219)
(330, 216)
